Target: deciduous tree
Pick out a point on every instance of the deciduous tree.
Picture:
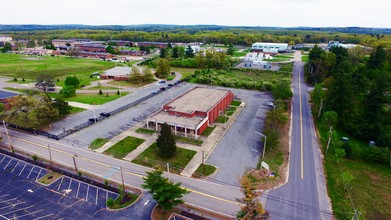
(163, 68)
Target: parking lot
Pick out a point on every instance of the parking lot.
(21, 197)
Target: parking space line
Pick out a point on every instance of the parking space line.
(4, 195)
(3, 158)
(12, 205)
(78, 191)
(88, 188)
(96, 198)
(38, 174)
(107, 195)
(31, 213)
(59, 185)
(15, 166)
(8, 200)
(31, 171)
(7, 164)
(70, 183)
(5, 217)
(43, 216)
(22, 169)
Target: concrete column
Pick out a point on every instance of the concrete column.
(185, 132)
(155, 125)
(195, 132)
(175, 129)
(147, 124)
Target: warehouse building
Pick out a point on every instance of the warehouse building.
(191, 113)
(270, 47)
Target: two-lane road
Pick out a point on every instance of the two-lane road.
(305, 194)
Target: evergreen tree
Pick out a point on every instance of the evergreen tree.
(189, 52)
(166, 142)
(377, 58)
(230, 50)
(63, 107)
(166, 193)
(175, 52)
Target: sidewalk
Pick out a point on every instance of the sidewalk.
(80, 105)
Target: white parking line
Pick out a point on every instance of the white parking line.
(43, 216)
(7, 164)
(12, 205)
(77, 194)
(30, 171)
(96, 198)
(88, 188)
(31, 213)
(8, 200)
(4, 195)
(22, 169)
(59, 185)
(5, 217)
(3, 159)
(15, 166)
(70, 183)
(38, 174)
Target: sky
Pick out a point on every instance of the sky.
(280, 13)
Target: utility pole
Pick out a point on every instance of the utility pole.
(8, 136)
(320, 108)
(74, 162)
(203, 164)
(50, 155)
(168, 169)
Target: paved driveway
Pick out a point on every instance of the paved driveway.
(241, 147)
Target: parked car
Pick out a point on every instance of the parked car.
(162, 89)
(93, 119)
(170, 85)
(105, 114)
(155, 93)
(162, 81)
(247, 65)
(52, 89)
(172, 73)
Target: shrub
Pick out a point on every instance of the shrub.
(23, 80)
(100, 92)
(348, 149)
(15, 79)
(109, 202)
(376, 155)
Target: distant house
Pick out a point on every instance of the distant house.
(121, 43)
(253, 57)
(92, 47)
(117, 73)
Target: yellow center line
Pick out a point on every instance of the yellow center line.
(301, 130)
(128, 172)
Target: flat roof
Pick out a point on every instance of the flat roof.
(118, 71)
(266, 43)
(181, 121)
(198, 99)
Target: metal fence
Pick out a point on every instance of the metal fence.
(88, 123)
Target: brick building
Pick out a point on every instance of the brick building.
(152, 44)
(192, 112)
(92, 47)
(132, 52)
(121, 43)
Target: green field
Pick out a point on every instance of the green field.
(29, 67)
(150, 158)
(184, 71)
(124, 147)
(370, 189)
(92, 98)
(265, 76)
(304, 58)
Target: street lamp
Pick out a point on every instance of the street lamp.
(264, 143)
(170, 94)
(93, 110)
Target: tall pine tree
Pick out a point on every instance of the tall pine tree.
(166, 142)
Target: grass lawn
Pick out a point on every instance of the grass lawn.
(29, 67)
(92, 99)
(239, 54)
(208, 170)
(124, 147)
(370, 190)
(129, 84)
(304, 58)
(145, 131)
(102, 88)
(184, 71)
(188, 140)
(208, 131)
(49, 178)
(222, 119)
(97, 143)
(75, 110)
(235, 103)
(150, 158)
(116, 204)
(14, 89)
(265, 76)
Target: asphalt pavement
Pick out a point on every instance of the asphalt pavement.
(305, 194)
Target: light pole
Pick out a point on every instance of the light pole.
(264, 143)
(8, 136)
(93, 110)
(170, 94)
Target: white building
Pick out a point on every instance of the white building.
(270, 47)
(5, 38)
(253, 57)
(195, 49)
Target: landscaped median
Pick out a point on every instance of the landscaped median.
(151, 158)
(98, 143)
(124, 147)
(204, 170)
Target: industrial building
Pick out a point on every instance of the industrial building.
(270, 47)
(191, 113)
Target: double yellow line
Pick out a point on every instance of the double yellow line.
(108, 166)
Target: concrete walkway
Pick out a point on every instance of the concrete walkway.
(80, 105)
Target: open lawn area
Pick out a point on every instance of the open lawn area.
(369, 190)
(92, 99)
(124, 147)
(129, 84)
(150, 158)
(184, 71)
(29, 67)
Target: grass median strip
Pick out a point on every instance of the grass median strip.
(49, 178)
(206, 171)
(97, 143)
(124, 147)
(151, 158)
(188, 140)
(145, 131)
